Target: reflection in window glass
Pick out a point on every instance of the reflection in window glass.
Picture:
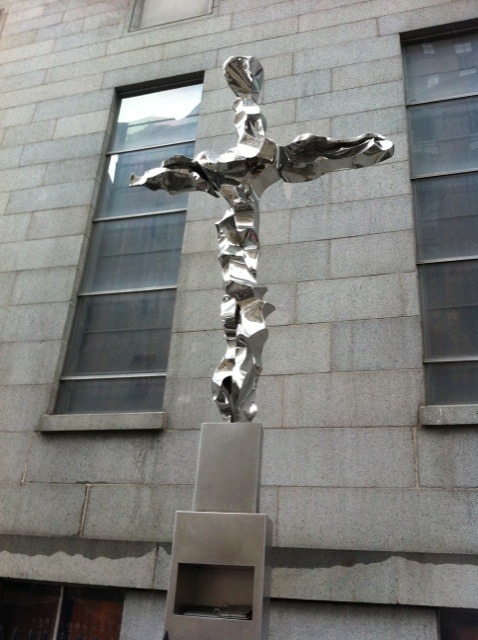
(90, 614)
(459, 625)
(28, 611)
(117, 356)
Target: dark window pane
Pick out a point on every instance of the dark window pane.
(459, 625)
(118, 198)
(90, 613)
(121, 333)
(133, 253)
(28, 611)
(444, 136)
(447, 216)
(450, 309)
(104, 396)
(158, 118)
(452, 383)
(441, 68)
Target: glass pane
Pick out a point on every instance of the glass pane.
(447, 216)
(118, 198)
(89, 614)
(450, 309)
(28, 611)
(158, 118)
(121, 333)
(452, 383)
(135, 252)
(444, 136)
(442, 68)
(459, 625)
(106, 396)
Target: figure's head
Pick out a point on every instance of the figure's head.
(244, 75)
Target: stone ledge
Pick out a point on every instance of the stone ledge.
(152, 421)
(448, 415)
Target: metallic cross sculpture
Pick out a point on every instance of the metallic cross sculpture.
(240, 176)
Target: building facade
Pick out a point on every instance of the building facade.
(109, 311)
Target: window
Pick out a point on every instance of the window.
(459, 625)
(52, 612)
(442, 97)
(151, 13)
(118, 351)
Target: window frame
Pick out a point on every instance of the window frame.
(120, 419)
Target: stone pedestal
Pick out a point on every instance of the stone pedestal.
(219, 580)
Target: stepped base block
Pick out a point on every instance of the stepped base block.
(228, 467)
(219, 580)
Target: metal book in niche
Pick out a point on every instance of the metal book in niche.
(240, 176)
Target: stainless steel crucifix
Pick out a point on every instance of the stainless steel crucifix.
(240, 176)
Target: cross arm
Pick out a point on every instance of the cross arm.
(177, 174)
(308, 157)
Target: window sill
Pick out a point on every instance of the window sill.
(439, 415)
(103, 422)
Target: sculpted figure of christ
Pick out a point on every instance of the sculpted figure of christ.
(240, 176)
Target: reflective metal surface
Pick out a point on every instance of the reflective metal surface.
(240, 176)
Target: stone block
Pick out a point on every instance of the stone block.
(6, 286)
(25, 14)
(199, 236)
(21, 406)
(101, 22)
(35, 322)
(377, 344)
(59, 222)
(347, 219)
(13, 453)
(21, 134)
(285, 134)
(74, 105)
(23, 80)
(18, 115)
(342, 457)
(442, 415)
(41, 510)
(102, 422)
(52, 196)
(350, 622)
(128, 457)
(447, 457)
(44, 285)
(407, 520)
(377, 96)
(54, 150)
(351, 299)
(78, 12)
(59, 30)
(353, 399)
(305, 261)
(39, 254)
(342, 54)
(420, 18)
(111, 563)
(385, 180)
(298, 349)
(105, 34)
(10, 157)
(297, 86)
(188, 402)
(12, 179)
(201, 206)
(449, 583)
(198, 310)
(80, 169)
(199, 271)
(14, 228)
(409, 283)
(125, 74)
(375, 254)
(363, 74)
(128, 512)
(143, 615)
(28, 25)
(25, 52)
(28, 362)
(82, 124)
(268, 14)
(195, 353)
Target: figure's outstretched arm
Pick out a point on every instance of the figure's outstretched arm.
(178, 174)
(308, 157)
